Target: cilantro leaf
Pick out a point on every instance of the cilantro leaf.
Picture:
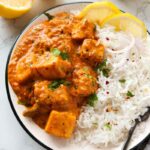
(25, 103)
(102, 65)
(50, 17)
(92, 99)
(85, 69)
(129, 94)
(105, 72)
(56, 52)
(122, 80)
(64, 55)
(103, 68)
(56, 83)
(88, 76)
(108, 126)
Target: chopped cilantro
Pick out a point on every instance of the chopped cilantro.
(85, 68)
(129, 94)
(103, 68)
(57, 52)
(67, 83)
(108, 126)
(55, 84)
(102, 65)
(25, 103)
(105, 72)
(122, 80)
(92, 99)
(64, 55)
(88, 76)
(50, 17)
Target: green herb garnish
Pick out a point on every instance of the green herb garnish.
(129, 94)
(95, 124)
(102, 65)
(25, 103)
(105, 72)
(57, 52)
(50, 17)
(92, 99)
(67, 83)
(108, 126)
(64, 55)
(88, 76)
(103, 68)
(55, 84)
(122, 80)
(85, 68)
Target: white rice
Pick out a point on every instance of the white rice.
(129, 60)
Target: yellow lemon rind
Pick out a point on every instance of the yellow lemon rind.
(123, 16)
(13, 12)
(105, 4)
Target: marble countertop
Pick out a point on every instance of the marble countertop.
(12, 136)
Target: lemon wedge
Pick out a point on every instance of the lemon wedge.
(98, 11)
(128, 23)
(14, 8)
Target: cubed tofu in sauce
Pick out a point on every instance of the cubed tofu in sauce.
(84, 80)
(91, 51)
(51, 67)
(82, 30)
(58, 98)
(52, 71)
(61, 124)
(23, 67)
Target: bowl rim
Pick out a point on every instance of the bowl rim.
(6, 75)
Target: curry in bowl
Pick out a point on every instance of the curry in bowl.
(52, 71)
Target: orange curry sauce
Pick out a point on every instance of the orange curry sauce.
(52, 71)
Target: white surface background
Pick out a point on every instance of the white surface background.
(12, 135)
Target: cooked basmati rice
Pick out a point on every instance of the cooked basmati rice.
(115, 111)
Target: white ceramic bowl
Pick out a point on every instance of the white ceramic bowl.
(39, 135)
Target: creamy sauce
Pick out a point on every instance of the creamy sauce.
(52, 67)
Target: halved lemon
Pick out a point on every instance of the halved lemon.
(127, 23)
(98, 11)
(14, 8)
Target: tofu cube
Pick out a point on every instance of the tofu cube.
(23, 74)
(92, 51)
(83, 29)
(61, 124)
(59, 99)
(23, 70)
(52, 67)
(84, 81)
